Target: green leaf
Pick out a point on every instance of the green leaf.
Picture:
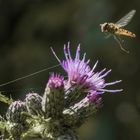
(5, 99)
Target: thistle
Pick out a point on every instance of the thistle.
(14, 112)
(65, 105)
(83, 80)
(16, 121)
(33, 103)
(53, 99)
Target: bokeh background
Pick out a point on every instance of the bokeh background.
(29, 27)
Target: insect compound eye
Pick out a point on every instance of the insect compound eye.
(106, 27)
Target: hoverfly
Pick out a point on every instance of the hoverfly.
(116, 29)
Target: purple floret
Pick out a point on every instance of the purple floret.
(84, 77)
(55, 81)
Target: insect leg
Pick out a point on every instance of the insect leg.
(119, 42)
(107, 35)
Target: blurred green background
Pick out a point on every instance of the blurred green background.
(29, 27)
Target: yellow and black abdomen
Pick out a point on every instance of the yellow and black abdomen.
(124, 32)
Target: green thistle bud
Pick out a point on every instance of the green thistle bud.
(53, 99)
(33, 103)
(14, 112)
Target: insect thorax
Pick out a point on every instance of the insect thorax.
(111, 28)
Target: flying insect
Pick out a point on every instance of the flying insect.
(116, 29)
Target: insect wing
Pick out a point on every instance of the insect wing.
(126, 19)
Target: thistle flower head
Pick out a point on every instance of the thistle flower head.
(82, 75)
(33, 103)
(14, 112)
(55, 81)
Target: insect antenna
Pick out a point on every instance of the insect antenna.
(119, 41)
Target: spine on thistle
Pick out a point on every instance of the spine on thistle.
(53, 99)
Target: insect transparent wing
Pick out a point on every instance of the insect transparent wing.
(126, 19)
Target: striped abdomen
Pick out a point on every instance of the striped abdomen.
(124, 32)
